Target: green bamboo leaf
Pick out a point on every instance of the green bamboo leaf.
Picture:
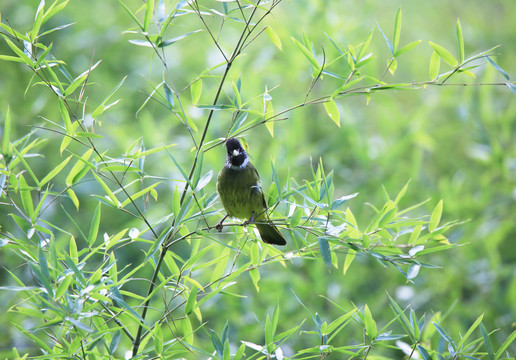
(435, 62)
(63, 286)
(406, 48)
(402, 318)
(196, 90)
(66, 117)
(436, 216)
(38, 20)
(192, 300)
(43, 55)
(40, 205)
(307, 53)
(487, 342)
(273, 37)
(27, 60)
(460, 40)
(94, 227)
(54, 9)
(505, 345)
(55, 171)
(169, 94)
(370, 324)
(324, 247)
(11, 58)
(470, 331)
(131, 14)
(26, 197)
(139, 194)
(365, 44)
(397, 31)
(73, 197)
(20, 157)
(269, 114)
(350, 256)
(6, 146)
(333, 111)
(149, 10)
(236, 91)
(444, 54)
(173, 40)
(81, 167)
(115, 340)
(255, 278)
(107, 190)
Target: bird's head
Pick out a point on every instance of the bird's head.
(237, 157)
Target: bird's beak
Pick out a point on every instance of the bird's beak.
(236, 153)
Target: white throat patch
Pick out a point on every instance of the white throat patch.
(242, 166)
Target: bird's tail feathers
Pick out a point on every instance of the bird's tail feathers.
(270, 234)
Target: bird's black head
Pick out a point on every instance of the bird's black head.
(237, 156)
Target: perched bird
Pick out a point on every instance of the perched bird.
(240, 191)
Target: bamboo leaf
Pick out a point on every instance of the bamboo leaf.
(460, 40)
(38, 20)
(107, 190)
(274, 37)
(55, 171)
(407, 48)
(444, 54)
(436, 216)
(27, 60)
(26, 197)
(397, 31)
(333, 111)
(139, 194)
(149, 10)
(196, 90)
(6, 146)
(94, 227)
(435, 62)
(307, 53)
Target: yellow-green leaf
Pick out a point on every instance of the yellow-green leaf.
(436, 216)
(107, 190)
(6, 148)
(55, 171)
(444, 54)
(255, 277)
(307, 53)
(460, 40)
(435, 62)
(269, 113)
(73, 197)
(333, 111)
(76, 173)
(26, 197)
(94, 228)
(196, 90)
(397, 31)
(274, 37)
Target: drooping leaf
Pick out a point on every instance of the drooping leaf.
(333, 111)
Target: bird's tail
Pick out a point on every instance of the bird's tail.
(270, 234)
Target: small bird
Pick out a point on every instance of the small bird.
(240, 191)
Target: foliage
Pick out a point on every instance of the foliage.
(108, 222)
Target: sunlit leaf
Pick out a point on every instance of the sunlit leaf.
(333, 111)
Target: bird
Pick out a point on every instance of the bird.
(241, 194)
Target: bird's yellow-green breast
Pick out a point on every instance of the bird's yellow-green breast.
(240, 192)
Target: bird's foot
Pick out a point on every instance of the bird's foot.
(251, 219)
(219, 226)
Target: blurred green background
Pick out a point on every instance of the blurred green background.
(455, 143)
